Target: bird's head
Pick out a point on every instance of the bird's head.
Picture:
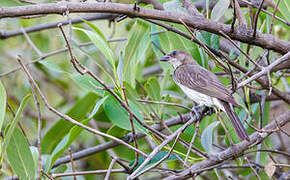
(178, 57)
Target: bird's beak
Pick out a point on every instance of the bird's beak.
(164, 58)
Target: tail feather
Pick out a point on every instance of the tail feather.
(241, 132)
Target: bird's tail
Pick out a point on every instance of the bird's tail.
(241, 132)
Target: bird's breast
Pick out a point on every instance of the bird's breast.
(200, 98)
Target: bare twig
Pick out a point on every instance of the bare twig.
(110, 169)
(72, 163)
(253, 169)
(256, 18)
(132, 127)
(165, 103)
(192, 141)
(87, 172)
(31, 43)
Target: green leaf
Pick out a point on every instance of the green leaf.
(155, 159)
(116, 131)
(102, 45)
(284, 8)
(71, 136)
(153, 88)
(173, 5)
(132, 95)
(171, 41)
(219, 9)
(119, 116)
(64, 144)
(78, 112)
(19, 156)
(13, 124)
(97, 30)
(3, 98)
(87, 82)
(120, 69)
(52, 66)
(214, 41)
(34, 152)
(207, 136)
(137, 44)
(155, 39)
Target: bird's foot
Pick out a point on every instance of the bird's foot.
(196, 111)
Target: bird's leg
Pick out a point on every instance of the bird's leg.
(209, 110)
(222, 123)
(196, 111)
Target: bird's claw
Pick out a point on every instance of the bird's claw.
(196, 111)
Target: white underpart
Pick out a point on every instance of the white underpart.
(201, 99)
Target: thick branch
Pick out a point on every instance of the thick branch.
(242, 34)
(233, 151)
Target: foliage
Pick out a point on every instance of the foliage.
(128, 67)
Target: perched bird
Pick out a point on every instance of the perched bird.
(203, 87)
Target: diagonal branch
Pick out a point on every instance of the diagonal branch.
(233, 151)
(265, 70)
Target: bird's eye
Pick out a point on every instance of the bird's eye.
(174, 53)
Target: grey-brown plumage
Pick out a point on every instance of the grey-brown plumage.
(203, 87)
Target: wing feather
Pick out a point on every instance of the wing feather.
(201, 80)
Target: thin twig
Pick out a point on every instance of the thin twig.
(268, 150)
(161, 160)
(31, 42)
(207, 50)
(47, 175)
(132, 128)
(282, 165)
(110, 169)
(256, 18)
(165, 103)
(247, 56)
(72, 163)
(56, 175)
(33, 89)
(253, 169)
(159, 147)
(233, 2)
(192, 141)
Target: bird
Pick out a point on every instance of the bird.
(203, 87)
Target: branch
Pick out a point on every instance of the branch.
(243, 34)
(127, 138)
(265, 70)
(12, 33)
(233, 151)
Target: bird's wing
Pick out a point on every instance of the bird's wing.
(201, 80)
